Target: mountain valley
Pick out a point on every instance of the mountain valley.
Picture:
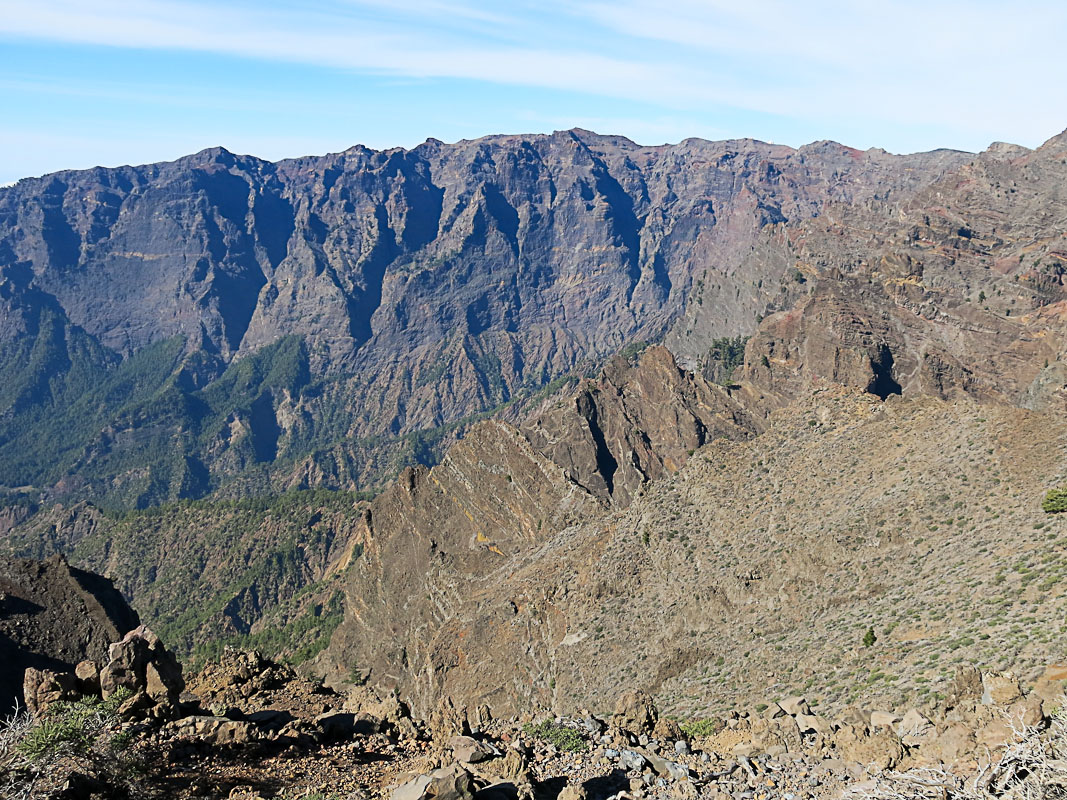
(528, 422)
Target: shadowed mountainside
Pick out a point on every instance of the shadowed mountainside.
(226, 321)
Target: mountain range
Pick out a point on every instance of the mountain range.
(588, 401)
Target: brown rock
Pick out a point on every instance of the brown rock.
(573, 791)
(1028, 712)
(883, 750)
(667, 729)
(915, 729)
(53, 616)
(140, 663)
(43, 687)
(469, 750)
(216, 730)
(781, 731)
(993, 735)
(448, 721)
(447, 783)
(1000, 688)
(966, 689)
(812, 723)
(88, 674)
(951, 745)
(635, 712)
(884, 719)
(795, 706)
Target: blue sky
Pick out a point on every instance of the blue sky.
(111, 82)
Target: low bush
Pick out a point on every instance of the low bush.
(1055, 501)
(560, 736)
(701, 727)
(71, 728)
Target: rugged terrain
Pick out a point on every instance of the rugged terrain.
(751, 573)
(225, 321)
(826, 480)
(246, 728)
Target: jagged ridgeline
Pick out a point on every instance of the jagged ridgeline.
(223, 322)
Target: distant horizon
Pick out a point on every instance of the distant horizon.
(524, 134)
(120, 82)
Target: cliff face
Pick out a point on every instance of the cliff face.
(377, 294)
(955, 289)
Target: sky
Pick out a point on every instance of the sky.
(109, 82)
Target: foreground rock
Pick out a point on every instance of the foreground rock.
(281, 740)
(53, 616)
(138, 665)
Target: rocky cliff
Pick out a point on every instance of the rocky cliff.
(222, 320)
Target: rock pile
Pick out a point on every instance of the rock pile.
(252, 729)
(977, 718)
(139, 664)
(783, 749)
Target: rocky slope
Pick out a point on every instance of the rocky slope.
(955, 289)
(172, 328)
(249, 729)
(750, 574)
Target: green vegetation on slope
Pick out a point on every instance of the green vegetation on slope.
(203, 573)
(168, 424)
(723, 357)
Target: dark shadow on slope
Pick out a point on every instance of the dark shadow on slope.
(882, 383)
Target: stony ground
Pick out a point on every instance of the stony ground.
(251, 729)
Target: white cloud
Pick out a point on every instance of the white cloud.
(981, 65)
(981, 68)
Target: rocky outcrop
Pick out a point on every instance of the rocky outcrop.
(635, 423)
(53, 616)
(143, 666)
(138, 668)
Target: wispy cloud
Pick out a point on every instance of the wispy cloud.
(342, 40)
(979, 67)
(977, 64)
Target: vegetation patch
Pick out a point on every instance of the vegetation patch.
(560, 736)
(694, 729)
(1055, 501)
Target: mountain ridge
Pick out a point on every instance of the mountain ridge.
(425, 285)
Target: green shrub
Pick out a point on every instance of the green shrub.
(1055, 501)
(701, 727)
(562, 737)
(71, 727)
(869, 638)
